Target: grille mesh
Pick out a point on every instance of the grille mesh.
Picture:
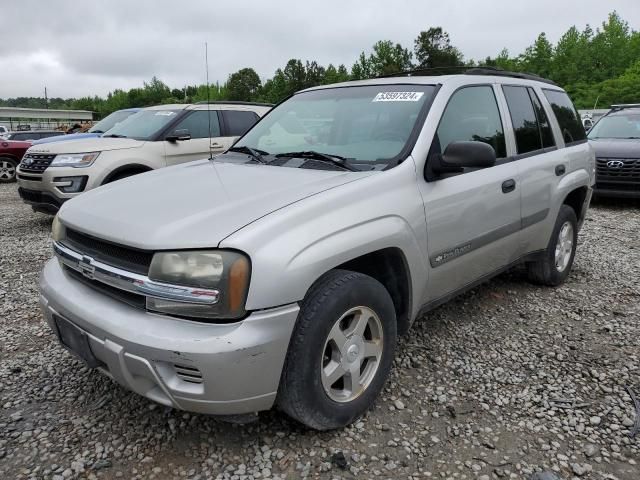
(127, 258)
(35, 163)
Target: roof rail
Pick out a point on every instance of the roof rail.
(234, 102)
(498, 72)
(622, 106)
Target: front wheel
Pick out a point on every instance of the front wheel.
(7, 170)
(341, 351)
(555, 265)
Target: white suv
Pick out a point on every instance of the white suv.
(165, 135)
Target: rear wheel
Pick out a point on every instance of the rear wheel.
(341, 351)
(7, 170)
(555, 266)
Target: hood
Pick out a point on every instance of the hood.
(100, 144)
(64, 138)
(616, 148)
(195, 205)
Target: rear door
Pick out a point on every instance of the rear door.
(473, 217)
(197, 124)
(539, 163)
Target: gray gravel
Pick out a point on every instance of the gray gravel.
(507, 381)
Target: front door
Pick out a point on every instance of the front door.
(201, 142)
(473, 217)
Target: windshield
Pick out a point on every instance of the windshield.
(369, 124)
(143, 125)
(110, 121)
(619, 125)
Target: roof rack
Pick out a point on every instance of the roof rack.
(498, 72)
(234, 102)
(622, 106)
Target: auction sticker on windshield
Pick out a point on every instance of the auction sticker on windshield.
(398, 97)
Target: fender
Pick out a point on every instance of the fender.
(292, 247)
(129, 166)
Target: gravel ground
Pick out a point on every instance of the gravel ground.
(507, 381)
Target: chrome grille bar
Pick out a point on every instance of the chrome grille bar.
(132, 282)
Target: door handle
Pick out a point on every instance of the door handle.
(508, 185)
(560, 170)
(216, 145)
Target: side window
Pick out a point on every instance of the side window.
(523, 118)
(567, 116)
(543, 121)
(472, 114)
(197, 124)
(238, 122)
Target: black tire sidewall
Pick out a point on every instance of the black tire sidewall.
(359, 290)
(566, 214)
(15, 166)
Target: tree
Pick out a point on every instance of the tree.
(388, 58)
(433, 49)
(362, 69)
(537, 58)
(244, 85)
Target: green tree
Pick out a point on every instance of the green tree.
(537, 58)
(433, 49)
(244, 85)
(388, 58)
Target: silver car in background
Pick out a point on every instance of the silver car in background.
(282, 272)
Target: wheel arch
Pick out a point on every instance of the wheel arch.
(133, 168)
(576, 200)
(389, 266)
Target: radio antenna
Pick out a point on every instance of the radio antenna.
(206, 65)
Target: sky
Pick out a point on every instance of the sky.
(93, 47)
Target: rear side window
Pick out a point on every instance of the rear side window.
(567, 116)
(472, 115)
(239, 122)
(523, 118)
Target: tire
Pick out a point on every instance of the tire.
(552, 270)
(338, 302)
(8, 170)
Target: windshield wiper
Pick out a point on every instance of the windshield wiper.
(323, 157)
(254, 153)
(96, 131)
(114, 135)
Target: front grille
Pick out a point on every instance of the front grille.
(628, 172)
(620, 186)
(127, 258)
(188, 374)
(36, 163)
(138, 301)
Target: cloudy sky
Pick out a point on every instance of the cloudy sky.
(92, 47)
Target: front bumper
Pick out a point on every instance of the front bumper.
(42, 190)
(622, 190)
(233, 368)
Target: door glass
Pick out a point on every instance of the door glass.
(197, 124)
(523, 118)
(543, 121)
(472, 115)
(239, 122)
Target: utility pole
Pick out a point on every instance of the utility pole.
(46, 101)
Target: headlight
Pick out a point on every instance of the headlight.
(224, 271)
(57, 229)
(74, 159)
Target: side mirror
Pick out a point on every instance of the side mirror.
(178, 135)
(465, 154)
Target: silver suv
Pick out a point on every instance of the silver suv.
(281, 272)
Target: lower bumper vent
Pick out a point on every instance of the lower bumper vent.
(188, 374)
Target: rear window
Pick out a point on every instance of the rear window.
(567, 116)
(239, 122)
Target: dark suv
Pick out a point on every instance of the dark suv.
(616, 141)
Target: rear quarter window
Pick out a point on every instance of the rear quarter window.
(238, 122)
(567, 116)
